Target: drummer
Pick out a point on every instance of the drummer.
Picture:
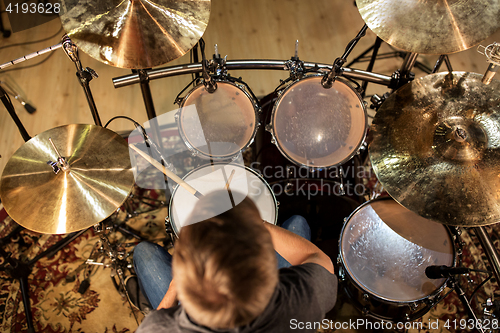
(223, 274)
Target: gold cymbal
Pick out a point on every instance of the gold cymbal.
(135, 33)
(431, 27)
(436, 148)
(98, 181)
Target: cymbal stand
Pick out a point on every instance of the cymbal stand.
(118, 256)
(453, 283)
(404, 75)
(84, 75)
(439, 62)
(10, 108)
(339, 62)
(21, 270)
(490, 251)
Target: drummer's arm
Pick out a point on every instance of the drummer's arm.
(170, 298)
(297, 250)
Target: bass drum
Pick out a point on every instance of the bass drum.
(317, 127)
(208, 178)
(384, 250)
(218, 125)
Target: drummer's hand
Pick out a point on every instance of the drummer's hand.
(170, 298)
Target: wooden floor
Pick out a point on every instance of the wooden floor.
(258, 29)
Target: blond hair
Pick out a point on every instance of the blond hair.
(225, 267)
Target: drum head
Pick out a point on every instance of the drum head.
(319, 127)
(221, 123)
(385, 249)
(209, 178)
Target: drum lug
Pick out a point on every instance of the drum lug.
(176, 117)
(168, 225)
(413, 307)
(365, 311)
(273, 141)
(269, 128)
(366, 297)
(340, 270)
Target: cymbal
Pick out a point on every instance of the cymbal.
(436, 148)
(431, 27)
(135, 33)
(98, 181)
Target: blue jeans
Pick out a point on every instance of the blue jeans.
(153, 264)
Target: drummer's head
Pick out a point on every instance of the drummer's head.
(225, 266)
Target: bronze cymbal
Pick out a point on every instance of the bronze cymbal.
(431, 27)
(98, 181)
(135, 33)
(436, 148)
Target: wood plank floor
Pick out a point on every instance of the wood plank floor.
(258, 29)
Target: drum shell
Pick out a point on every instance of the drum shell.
(352, 97)
(251, 111)
(378, 307)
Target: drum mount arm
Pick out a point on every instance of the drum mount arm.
(339, 62)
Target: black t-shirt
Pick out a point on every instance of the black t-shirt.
(303, 296)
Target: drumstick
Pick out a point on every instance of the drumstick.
(227, 185)
(167, 172)
(229, 180)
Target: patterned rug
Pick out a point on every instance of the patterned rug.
(68, 295)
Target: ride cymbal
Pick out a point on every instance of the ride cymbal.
(436, 148)
(431, 27)
(98, 181)
(135, 33)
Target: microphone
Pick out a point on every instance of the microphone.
(492, 52)
(439, 272)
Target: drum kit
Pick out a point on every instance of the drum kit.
(433, 144)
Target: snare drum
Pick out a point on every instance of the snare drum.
(384, 250)
(209, 178)
(218, 125)
(317, 127)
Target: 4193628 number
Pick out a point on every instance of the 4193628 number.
(33, 8)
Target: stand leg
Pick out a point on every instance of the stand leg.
(489, 250)
(23, 281)
(376, 47)
(12, 112)
(465, 302)
(21, 271)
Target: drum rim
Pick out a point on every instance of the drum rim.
(378, 297)
(258, 175)
(270, 127)
(198, 152)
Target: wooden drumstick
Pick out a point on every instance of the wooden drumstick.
(229, 180)
(228, 189)
(167, 172)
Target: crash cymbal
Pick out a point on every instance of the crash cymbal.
(436, 148)
(431, 27)
(135, 33)
(98, 180)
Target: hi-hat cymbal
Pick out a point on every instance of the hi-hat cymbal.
(135, 33)
(431, 27)
(98, 181)
(436, 148)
